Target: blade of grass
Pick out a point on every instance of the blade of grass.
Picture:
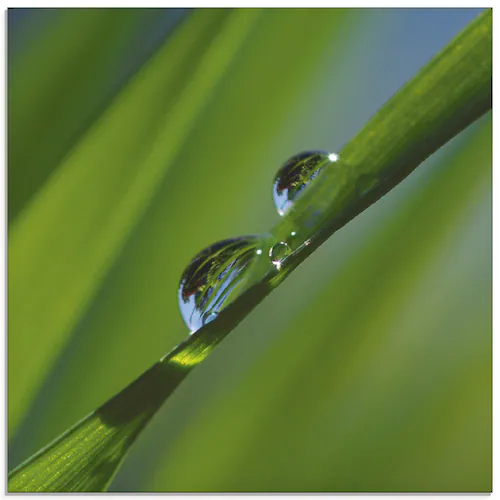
(447, 95)
(86, 457)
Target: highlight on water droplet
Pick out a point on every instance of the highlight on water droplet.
(278, 253)
(215, 277)
(296, 174)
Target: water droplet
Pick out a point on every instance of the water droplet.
(278, 253)
(296, 174)
(214, 278)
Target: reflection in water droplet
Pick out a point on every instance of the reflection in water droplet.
(208, 317)
(214, 278)
(278, 253)
(296, 174)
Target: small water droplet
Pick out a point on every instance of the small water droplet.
(278, 253)
(214, 278)
(296, 174)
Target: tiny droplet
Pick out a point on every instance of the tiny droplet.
(278, 253)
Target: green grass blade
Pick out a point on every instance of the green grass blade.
(86, 457)
(446, 96)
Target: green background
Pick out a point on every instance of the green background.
(137, 138)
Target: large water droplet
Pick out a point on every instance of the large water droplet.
(214, 278)
(296, 174)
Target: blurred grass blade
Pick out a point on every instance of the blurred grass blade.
(452, 91)
(57, 87)
(163, 108)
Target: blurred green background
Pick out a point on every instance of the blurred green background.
(139, 136)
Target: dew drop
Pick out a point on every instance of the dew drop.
(296, 174)
(214, 278)
(278, 253)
